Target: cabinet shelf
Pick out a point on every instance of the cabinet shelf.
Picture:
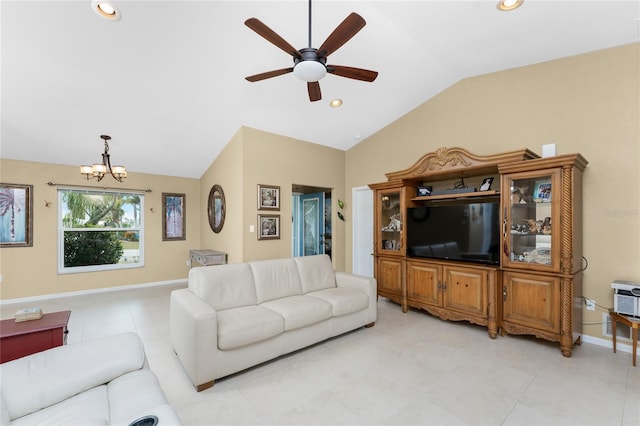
(458, 195)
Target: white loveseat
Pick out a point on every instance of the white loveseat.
(235, 316)
(99, 382)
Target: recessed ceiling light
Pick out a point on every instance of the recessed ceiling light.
(106, 9)
(335, 103)
(507, 5)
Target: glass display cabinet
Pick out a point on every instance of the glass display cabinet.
(531, 209)
(541, 252)
(390, 226)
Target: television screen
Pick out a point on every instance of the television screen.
(468, 231)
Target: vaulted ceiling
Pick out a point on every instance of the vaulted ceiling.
(166, 81)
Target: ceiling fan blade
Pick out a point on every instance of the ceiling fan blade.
(342, 34)
(351, 72)
(268, 74)
(271, 36)
(314, 91)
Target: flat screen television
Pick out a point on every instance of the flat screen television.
(466, 231)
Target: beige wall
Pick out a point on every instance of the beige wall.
(271, 159)
(588, 104)
(226, 171)
(32, 271)
(255, 157)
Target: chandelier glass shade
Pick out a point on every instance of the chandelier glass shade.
(98, 171)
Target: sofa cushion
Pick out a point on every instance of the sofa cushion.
(316, 272)
(343, 300)
(300, 311)
(245, 325)
(87, 408)
(275, 279)
(42, 379)
(224, 286)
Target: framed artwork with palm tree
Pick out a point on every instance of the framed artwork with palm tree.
(174, 210)
(16, 215)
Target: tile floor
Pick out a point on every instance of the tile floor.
(410, 369)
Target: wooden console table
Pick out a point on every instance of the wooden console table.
(632, 324)
(18, 339)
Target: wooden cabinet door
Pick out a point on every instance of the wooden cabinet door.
(465, 290)
(389, 276)
(532, 300)
(423, 283)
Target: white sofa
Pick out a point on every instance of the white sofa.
(99, 382)
(235, 316)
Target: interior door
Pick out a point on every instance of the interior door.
(362, 245)
(312, 229)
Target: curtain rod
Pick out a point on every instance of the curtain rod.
(96, 187)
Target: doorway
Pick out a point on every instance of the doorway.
(362, 241)
(311, 220)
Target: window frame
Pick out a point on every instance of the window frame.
(104, 267)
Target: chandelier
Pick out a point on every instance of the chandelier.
(97, 171)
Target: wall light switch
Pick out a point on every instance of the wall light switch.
(252, 228)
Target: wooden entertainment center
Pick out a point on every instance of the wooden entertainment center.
(531, 282)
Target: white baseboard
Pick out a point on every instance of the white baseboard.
(622, 347)
(85, 292)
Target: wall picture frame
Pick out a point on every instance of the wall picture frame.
(16, 215)
(268, 227)
(174, 211)
(268, 197)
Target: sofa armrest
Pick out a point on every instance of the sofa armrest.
(193, 329)
(46, 378)
(367, 284)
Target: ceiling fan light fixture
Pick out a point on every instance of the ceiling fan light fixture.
(310, 70)
(508, 5)
(106, 9)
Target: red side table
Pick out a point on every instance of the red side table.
(18, 339)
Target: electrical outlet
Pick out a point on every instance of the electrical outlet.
(591, 304)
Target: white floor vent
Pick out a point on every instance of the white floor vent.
(623, 331)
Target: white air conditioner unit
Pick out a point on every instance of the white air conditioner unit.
(626, 298)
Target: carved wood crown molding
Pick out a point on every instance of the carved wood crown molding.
(456, 159)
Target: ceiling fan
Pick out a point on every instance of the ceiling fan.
(309, 63)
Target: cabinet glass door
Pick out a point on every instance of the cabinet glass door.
(530, 217)
(390, 223)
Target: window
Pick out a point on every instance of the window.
(99, 230)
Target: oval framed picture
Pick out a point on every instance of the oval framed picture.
(216, 208)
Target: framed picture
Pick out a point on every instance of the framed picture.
(174, 210)
(268, 226)
(16, 215)
(268, 197)
(486, 184)
(542, 192)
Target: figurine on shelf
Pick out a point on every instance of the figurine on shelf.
(521, 195)
(394, 223)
